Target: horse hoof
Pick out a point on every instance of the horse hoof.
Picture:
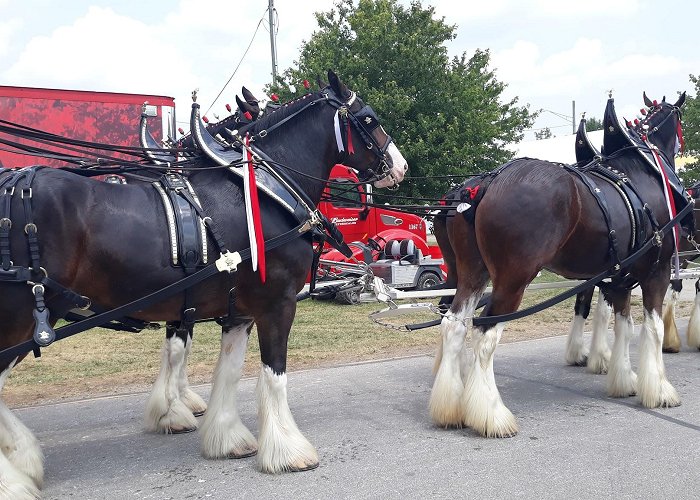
(245, 454)
(670, 350)
(581, 362)
(304, 468)
(182, 430)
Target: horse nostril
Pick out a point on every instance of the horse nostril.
(405, 167)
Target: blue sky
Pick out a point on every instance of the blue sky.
(549, 52)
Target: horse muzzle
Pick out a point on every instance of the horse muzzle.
(395, 168)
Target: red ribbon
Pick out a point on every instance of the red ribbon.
(351, 150)
(255, 206)
(679, 133)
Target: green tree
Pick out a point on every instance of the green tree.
(691, 134)
(447, 116)
(545, 133)
(593, 123)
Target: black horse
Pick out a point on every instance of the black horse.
(109, 242)
(530, 215)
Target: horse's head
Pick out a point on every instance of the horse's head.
(661, 125)
(367, 146)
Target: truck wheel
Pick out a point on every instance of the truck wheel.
(428, 280)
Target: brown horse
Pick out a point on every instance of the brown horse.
(530, 215)
(109, 242)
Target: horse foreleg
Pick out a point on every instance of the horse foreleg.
(622, 381)
(694, 322)
(223, 433)
(165, 411)
(654, 388)
(599, 355)
(21, 459)
(282, 445)
(445, 397)
(576, 352)
(191, 399)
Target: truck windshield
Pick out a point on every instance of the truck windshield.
(345, 194)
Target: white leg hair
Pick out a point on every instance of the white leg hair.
(622, 381)
(599, 356)
(576, 352)
(445, 407)
(694, 324)
(165, 411)
(654, 388)
(483, 408)
(282, 445)
(21, 459)
(191, 399)
(223, 433)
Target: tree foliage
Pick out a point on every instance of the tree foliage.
(447, 116)
(545, 133)
(593, 123)
(691, 134)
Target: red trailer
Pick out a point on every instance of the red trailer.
(106, 117)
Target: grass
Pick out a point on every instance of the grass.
(99, 361)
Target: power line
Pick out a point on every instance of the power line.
(239, 63)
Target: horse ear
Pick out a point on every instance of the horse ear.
(647, 101)
(680, 101)
(339, 87)
(321, 84)
(248, 96)
(663, 99)
(244, 107)
(252, 101)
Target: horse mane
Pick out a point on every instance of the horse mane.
(280, 113)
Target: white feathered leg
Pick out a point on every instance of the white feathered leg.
(654, 388)
(21, 459)
(445, 397)
(694, 322)
(483, 408)
(599, 355)
(223, 433)
(165, 411)
(191, 399)
(622, 381)
(283, 447)
(576, 353)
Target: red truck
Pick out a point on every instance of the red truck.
(393, 244)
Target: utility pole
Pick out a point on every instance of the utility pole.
(273, 39)
(573, 117)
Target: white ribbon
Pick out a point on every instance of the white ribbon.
(249, 213)
(338, 134)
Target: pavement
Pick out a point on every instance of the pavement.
(375, 439)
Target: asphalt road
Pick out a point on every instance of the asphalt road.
(370, 425)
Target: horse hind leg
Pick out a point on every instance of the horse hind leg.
(576, 353)
(445, 397)
(165, 411)
(21, 459)
(482, 405)
(223, 433)
(599, 355)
